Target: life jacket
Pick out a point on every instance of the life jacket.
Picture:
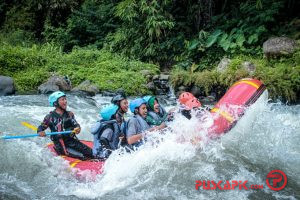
(98, 128)
(156, 119)
(141, 126)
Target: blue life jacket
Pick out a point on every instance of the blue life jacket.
(98, 128)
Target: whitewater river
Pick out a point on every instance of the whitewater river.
(266, 138)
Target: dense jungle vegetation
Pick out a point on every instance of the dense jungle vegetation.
(110, 42)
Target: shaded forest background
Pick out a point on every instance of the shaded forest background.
(181, 36)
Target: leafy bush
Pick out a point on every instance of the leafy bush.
(246, 27)
(88, 25)
(281, 77)
(32, 66)
(242, 28)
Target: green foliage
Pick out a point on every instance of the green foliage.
(30, 67)
(190, 35)
(88, 25)
(241, 28)
(144, 30)
(156, 31)
(17, 37)
(281, 77)
(31, 15)
(246, 27)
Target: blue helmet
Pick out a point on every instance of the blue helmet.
(53, 98)
(107, 112)
(147, 98)
(136, 103)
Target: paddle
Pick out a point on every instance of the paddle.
(6, 137)
(31, 135)
(29, 126)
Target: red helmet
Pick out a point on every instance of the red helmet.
(192, 103)
(185, 96)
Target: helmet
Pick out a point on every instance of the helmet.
(116, 99)
(192, 103)
(136, 103)
(53, 98)
(185, 96)
(147, 98)
(150, 101)
(107, 112)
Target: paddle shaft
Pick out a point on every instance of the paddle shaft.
(6, 137)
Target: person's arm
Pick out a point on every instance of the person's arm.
(134, 138)
(44, 125)
(161, 126)
(75, 124)
(132, 133)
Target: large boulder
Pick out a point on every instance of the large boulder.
(6, 85)
(87, 87)
(161, 84)
(55, 83)
(151, 86)
(223, 65)
(278, 46)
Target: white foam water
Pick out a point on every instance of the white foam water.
(266, 138)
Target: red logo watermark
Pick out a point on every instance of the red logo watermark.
(212, 185)
(275, 176)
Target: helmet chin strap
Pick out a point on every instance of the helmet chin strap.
(122, 111)
(120, 108)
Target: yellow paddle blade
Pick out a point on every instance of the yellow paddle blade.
(29, 126)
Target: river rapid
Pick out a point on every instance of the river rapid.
(266, 138)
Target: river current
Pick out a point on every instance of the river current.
(266, 138)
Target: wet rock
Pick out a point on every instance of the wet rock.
(196, 91)
(278, 46)
(121, 91)
(6, 85)
(55, 83)
(182, 88)
(211, 99)
(47, 88)
(109, 93)
(151, 86)
(250, 67)
(223, 65)
(155, 77)
(164, 77)
(146, 72)
(88, 87)
(161, 84)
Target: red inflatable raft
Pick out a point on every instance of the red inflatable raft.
(233, 104)
(225, 114)
(88, 168)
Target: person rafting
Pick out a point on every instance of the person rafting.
(137, 127)
(188, 102)
(60, 120)
(107, 132)
(156, 115)
(121, 101)
(189, 106)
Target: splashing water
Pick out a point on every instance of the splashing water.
(266, 138)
